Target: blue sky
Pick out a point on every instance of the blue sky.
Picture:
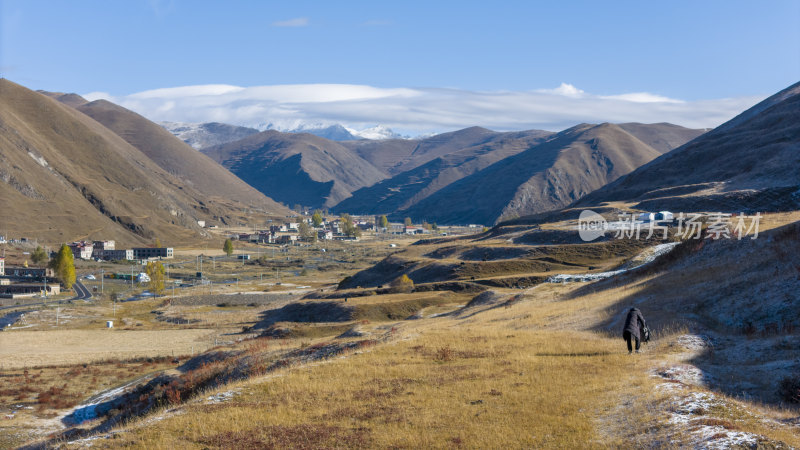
(680, 50)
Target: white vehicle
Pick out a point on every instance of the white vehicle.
(142, 278)
(90, 277)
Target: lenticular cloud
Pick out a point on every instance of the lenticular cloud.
(419, 110)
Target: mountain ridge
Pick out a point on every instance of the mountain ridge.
(328, 172)
(755, 151)
(548, 176)
(66, 177)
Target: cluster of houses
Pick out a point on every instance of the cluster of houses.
(289, 232)
(26, 281)
(106, 251)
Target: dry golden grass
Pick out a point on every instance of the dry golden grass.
(20, 349)
(32, 399)
(473, 386)
(524, 375)
(496, 379)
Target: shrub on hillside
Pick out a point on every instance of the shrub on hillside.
(402, 284)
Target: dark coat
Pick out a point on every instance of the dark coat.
(634, 323)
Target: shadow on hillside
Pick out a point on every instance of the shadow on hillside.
(305, 312)
(741, 297)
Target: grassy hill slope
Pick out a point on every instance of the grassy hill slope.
(66, 176)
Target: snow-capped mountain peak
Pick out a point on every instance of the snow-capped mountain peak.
(377, 132)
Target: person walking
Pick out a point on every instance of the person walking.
(634, 327)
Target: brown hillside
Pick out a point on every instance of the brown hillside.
(176, 157)
(65, 177)
(73, 100)
(296, 168)
(750, 163)
(662, 136)
(408, 188)
(548, 176)
(399, 155)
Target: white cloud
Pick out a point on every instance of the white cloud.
(92, 96)
(566, 89)
(643, 97)
(420, 110)
(296, 22)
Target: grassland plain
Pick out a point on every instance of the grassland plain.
(526, 373)
(38, 348)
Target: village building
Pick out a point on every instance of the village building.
(81, 250)
(152, 252)
(28, 290)
(113, 255)
(36, 273)
(286, 239)
(103, 245)
(413, 230)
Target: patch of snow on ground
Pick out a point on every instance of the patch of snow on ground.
(686, 374)
(706, 432)
(695, 341)
(640, 260)
(87, 411)
(221, 397)
(39, 159)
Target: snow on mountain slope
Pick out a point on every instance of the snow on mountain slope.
(201, 135)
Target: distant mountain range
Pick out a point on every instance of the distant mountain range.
(543, 177)
(297, 168)
(64, 157)
(202, 135)
(432, 164)
(472, 175)
(65, 175)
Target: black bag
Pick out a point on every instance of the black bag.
(645, 334)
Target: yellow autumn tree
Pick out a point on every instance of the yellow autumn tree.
(64, 266)
(402, 284)
(155, 271)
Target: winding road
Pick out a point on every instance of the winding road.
(81, 292)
